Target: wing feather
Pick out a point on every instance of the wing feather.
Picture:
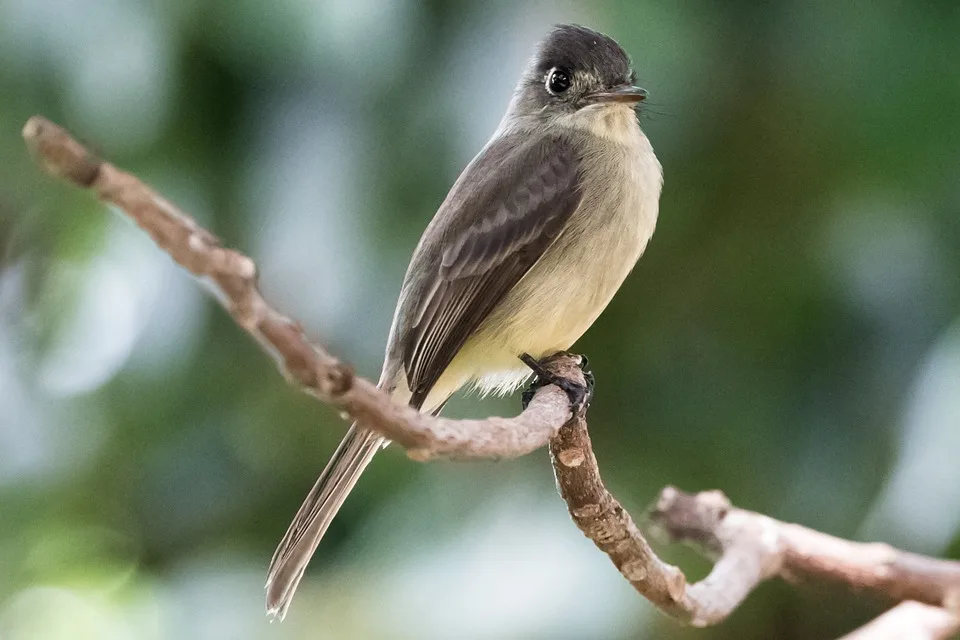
(510, 205)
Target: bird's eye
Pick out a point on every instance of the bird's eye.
(558, 81)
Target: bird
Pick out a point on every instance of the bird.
(527, 249)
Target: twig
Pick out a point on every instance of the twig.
(910, 621)
(749, 547)
(797, 553)
(747, 560)
(233, 277)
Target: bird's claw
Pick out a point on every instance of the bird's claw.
(580, 395)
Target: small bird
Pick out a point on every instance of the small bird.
(528, 248)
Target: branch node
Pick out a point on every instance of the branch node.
(586, 511)
(572, 457)
(692, 519)
(676, 583)
(196, 243)
(419, 455)
(635, 570)
(338, 380)
(247, 312)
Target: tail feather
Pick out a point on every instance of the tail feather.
(315, 515)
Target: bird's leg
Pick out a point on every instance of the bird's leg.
(579, 395)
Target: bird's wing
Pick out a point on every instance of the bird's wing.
(508, 207)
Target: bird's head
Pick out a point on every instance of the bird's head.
(575, 68)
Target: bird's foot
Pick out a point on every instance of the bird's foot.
(580, 395)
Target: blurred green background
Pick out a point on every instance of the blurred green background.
(791, 336)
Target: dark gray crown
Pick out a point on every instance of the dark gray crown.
(575, 48)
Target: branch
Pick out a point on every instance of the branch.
(750, 547)
(233, 277)
(600, 517)
(797, 553)
(910, 620)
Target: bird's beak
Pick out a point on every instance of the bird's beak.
(625, 93)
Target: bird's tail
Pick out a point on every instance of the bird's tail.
(315, 515)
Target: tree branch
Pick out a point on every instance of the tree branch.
(797, 553)
(749, 547)
(233, 277)
(910, 620)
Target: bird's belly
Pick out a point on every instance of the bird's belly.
(554, 304)
(567, 290)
